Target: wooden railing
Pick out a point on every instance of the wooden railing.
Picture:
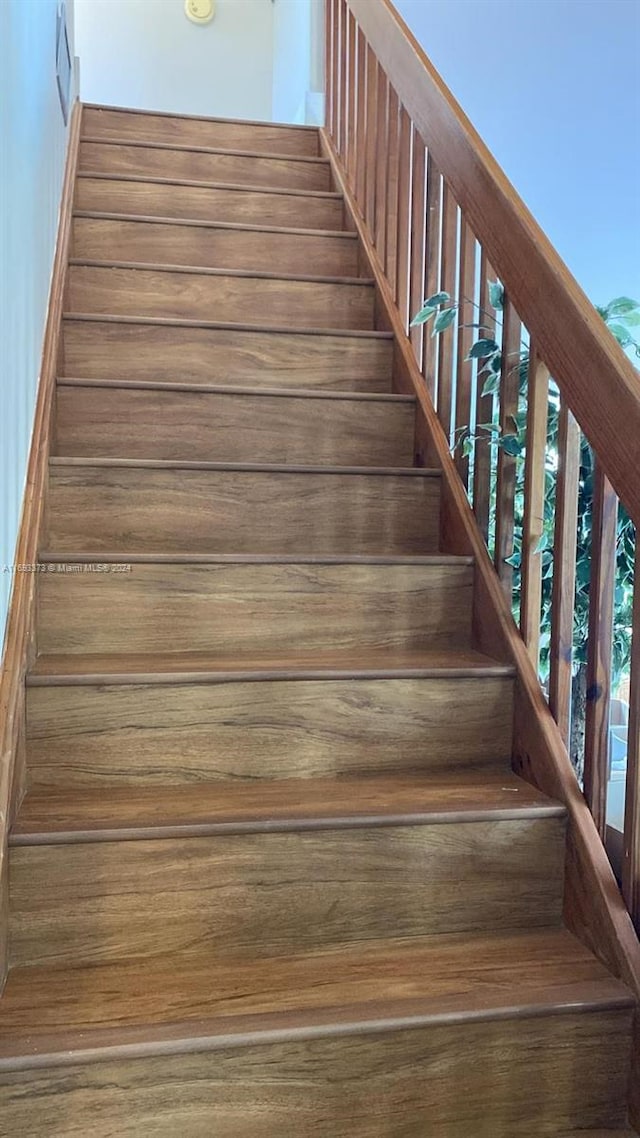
(441, 217)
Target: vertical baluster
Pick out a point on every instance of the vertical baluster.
(484, 410)
(372, 130)
(564, 571)
(506, 475)
(404, 217)
(361, 115)
(392, 191)
(467, 317)
(631, 841)
(604, 527)
(533, 523)
(447, 284)
(342, 90)
(432, 270)
(352, 125)
(381, 165)
(418, 231)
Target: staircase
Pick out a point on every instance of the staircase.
(274, 876)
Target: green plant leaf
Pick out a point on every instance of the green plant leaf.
(483, 348)
(437, 299)
(491, 385)
(444, 320)
(631, 318)
(622, 334)
(541, 543)
(496, 295)
(622, 305)
(422, 316)
(511, 445)
(467, 447)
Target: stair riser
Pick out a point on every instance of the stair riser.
(144, 510)
(254, 608)
(184, 733)
(194, 166)
(204, 203)
(194, 296)
(512, 1079)
(96, 239)
(258, 894)
(98, 122)
(99, 422)
(96, 349)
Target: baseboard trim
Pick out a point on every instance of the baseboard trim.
(19, 643)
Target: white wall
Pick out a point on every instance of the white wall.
(553, 88)
(147, 54)
(32, 151)
(291, 59)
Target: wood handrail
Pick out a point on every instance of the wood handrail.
(596, 378)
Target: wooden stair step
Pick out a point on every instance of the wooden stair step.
(205, 244)
(57, 1015)
(254, 606)
(171, 291)
(258, 892)
(208, 352)
(203, 667)
(199, 163)
(157, 126)
(143, 721)
(101, 418)
(120, 505)
(209, 201)
(410, 1027)
(71, 814)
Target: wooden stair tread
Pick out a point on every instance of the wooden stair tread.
(72, 814)
(203, 271)
(229, 325)
(240, 187)
(227, 389)
(233, 226)
(192, 1003)
(153, 144)
(82, 557)
(255, 467)
(199, 667)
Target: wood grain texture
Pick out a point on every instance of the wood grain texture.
(221, 296)
(597, 379)
(204, 201)
(86, 814)
(228, 426)
(492, 1079)
(254, 895)
(261, 608)
(207, 166)
(19, 640)
(263, 138)
(141, 509)
(460, 978)
(215, 246)
(106, 734)
(177, 352)
(258, 667)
